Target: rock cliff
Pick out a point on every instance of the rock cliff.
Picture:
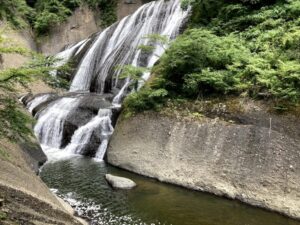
(250, 155)
(81, 25)
(24, 198)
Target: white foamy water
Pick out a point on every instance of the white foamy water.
(118, 44)
(49, 128)
(96, 72)
(82, 136)
(56, 154)
(64, 56)
(37, 101)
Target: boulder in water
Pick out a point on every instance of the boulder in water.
(119, 182)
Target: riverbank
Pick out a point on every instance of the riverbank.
(248, 154)
(24, 198)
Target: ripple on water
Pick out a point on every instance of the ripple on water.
(80, 182)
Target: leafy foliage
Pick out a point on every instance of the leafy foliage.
(50, 13)
(44, 14)
(152, 41)
(133, 73)
(145, 99)
(14, 123)
(15, 11)
(107, 10)
(203, 53)
(234, 48)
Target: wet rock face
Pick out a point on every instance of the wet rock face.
(34, 154)
(91, 148)
(255, 159)
(86, 109)
(68, 130)
(40, 107)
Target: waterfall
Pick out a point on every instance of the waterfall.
(37, 101)
(83, 135)
(64, 56)
(96, 76)
(118, 98)
(118, 44)
(49, 128)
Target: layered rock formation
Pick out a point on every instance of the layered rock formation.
(26, 199)
(81, 25)
(246, 154)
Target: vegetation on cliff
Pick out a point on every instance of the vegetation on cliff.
(13, 121)
(44, 14)
(236, 48)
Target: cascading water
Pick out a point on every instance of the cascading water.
(82, 136)
(80, 122)
(118, 44)
(64, 56)
(38, 100)
(49, 128)
(96, 77)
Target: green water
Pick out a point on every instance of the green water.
(81, 182)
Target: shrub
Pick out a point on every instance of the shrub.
(15, 11)
(145, 99)
(107, 10)
(198, 58)
(243, 48)
(49, 14)
(45, 20)
(14, 123)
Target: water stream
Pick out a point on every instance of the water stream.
(80, 181)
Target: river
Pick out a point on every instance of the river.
(80, 181)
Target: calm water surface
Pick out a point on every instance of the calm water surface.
(80, 181)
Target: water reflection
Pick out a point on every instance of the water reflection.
(81, 181)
